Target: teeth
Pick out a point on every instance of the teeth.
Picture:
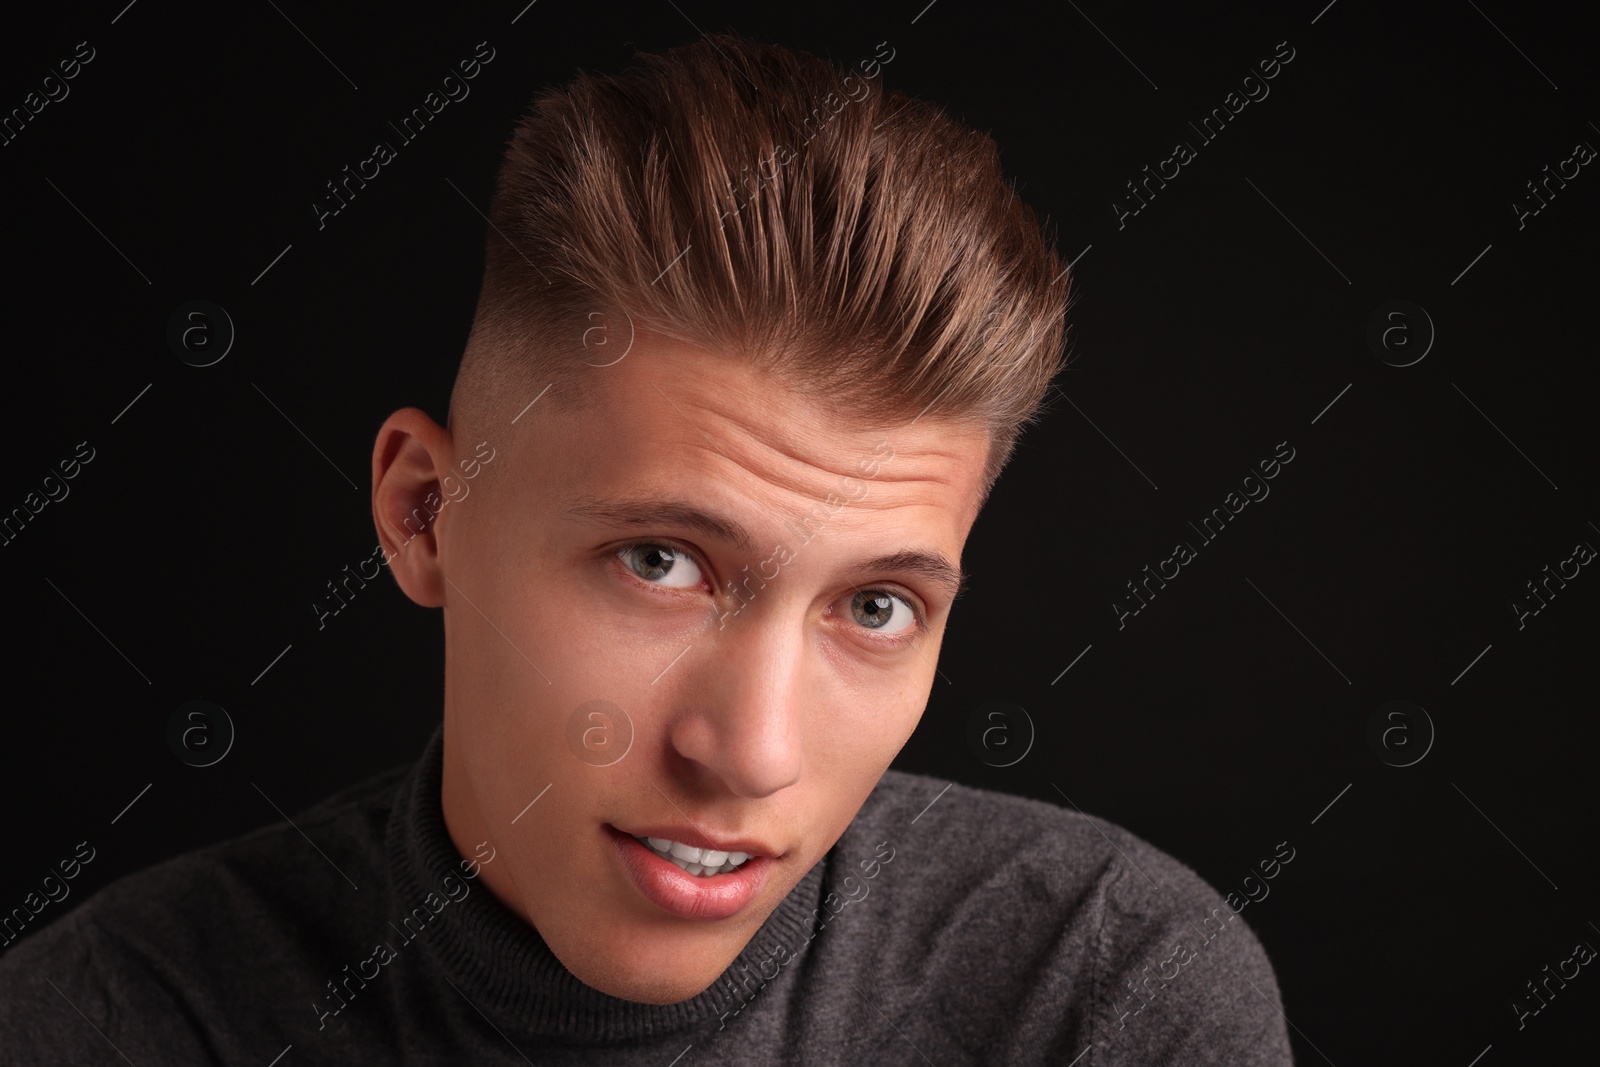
(703, 863)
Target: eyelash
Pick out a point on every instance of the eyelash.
(912, 633)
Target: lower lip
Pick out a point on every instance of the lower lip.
(689, 896)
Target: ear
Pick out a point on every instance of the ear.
(411, 455)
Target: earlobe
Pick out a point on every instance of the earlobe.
(410, 457)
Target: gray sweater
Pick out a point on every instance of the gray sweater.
(985, 929)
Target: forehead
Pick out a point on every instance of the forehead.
(675, 421)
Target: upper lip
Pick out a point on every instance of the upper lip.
(688, 835)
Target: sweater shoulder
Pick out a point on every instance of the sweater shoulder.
(305, 855)
(1053, 846)
(166, 941)
(1011, 899)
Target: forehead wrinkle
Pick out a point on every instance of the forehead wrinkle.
(781, 477)
(642, 508)
(810, 416)
(726, 426)
(779, 418)
(788, 449)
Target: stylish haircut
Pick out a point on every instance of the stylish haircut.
(857, 244)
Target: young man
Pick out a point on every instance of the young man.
(755, 339)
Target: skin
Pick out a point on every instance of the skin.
(774, 723)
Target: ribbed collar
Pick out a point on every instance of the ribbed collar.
(501, 963)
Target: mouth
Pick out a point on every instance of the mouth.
(700, 862)
(693, 879)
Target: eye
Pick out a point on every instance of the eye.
(661, 565)
(882, 612)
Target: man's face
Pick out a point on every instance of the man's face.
(582, 569)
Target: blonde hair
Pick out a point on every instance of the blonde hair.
(857, 243)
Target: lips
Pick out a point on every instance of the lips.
(688, 835)
(703, 861)
(689, 896)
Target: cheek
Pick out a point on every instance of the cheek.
(846, 762)
(597, 639)
(520, 608)
(559, 642)
(860, 726)
(874, 705)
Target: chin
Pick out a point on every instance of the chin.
(654, 960)
(666, 983)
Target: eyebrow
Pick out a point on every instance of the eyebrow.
(652, 511)
(649, 511)
(933, 567)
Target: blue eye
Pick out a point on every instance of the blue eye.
(882, 612)
(661, 565)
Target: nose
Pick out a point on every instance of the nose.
(742, 702)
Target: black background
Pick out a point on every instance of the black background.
(1219, 321)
